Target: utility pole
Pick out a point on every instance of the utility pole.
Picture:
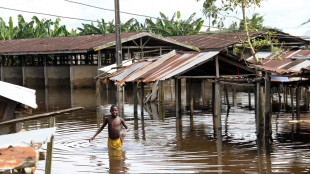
(118, 44)
(118, 57)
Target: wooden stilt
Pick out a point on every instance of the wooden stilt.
(217, 97)
(135, 99)
(213, 99)
(177, 97)
(234, 96)
(259, 111)
(307, 98)
(191, 103)
(267, 106)
(280, 98)
(249, 96)
(49, 150)
(226, 96)
(285, 98)
(298, 91)
(142, 99)
(2, 68)
(161, 99)
(292, 102)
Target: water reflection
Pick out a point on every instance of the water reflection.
(166, 144)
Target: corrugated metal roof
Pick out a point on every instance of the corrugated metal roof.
(129, 70)
(74, 44)
(219, 41)
(165, 67)
(289, 63)
(19, 94)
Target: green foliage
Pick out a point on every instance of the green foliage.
(38, 28)
(255, 23)
(172, 27)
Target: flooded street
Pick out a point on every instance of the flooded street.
(157, 144)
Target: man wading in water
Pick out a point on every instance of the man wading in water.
(114, 128)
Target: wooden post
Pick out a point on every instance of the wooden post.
(191, 103)
(142, 98)
(298, 91)
(97, 89)
(135, 99)
(307, 98)
(2, 67)
(161, 99)
(285, 98)
(249, 96)
(280, 97)
(177, 97)
(234, 96)
(217, 96)
(257, 108)
(226, 96)
(49, 153)
(267, 106)
(292, 101)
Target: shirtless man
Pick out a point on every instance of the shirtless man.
(114, 128)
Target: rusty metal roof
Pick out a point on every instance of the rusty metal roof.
(293, 62)
(210, 41)
(219, 41)
(74, 44)
(162, 67)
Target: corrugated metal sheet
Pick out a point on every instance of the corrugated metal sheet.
(75, 44)
(218, 41)
(129, 70)
(18, 93)
(112, 68)
(289, 63)
(163, 68)
(183, 64)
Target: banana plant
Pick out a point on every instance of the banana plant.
(175, 26)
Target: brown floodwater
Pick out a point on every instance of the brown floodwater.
(166, 144)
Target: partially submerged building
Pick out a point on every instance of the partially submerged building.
(74, 61)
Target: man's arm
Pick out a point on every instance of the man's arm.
(99, 130)
(127, 128)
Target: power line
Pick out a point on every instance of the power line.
(133, 14)
(88, 20)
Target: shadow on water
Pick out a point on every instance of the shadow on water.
(165, 144)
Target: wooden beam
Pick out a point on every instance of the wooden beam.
(49, 114)
(146, 42)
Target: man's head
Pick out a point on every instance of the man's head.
(114, 110)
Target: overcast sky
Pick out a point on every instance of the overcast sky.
(287, 15)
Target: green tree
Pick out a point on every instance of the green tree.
(230, 6)
(254, 23)
(172, 27)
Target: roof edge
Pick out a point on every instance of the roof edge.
(142, 34)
